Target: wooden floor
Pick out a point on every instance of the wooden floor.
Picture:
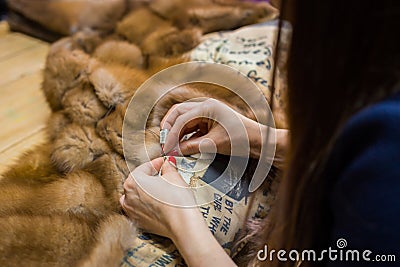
(23, 108)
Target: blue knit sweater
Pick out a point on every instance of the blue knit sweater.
(365, 198)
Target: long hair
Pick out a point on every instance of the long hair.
(345, 55)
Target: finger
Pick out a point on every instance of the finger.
(143, 171)
(192, 118)
(129, 211)
(170, 173)
(177, 150)
(122, 201)
(129, 184)
(191, 146)
(174, 112)
(150, 168)
(169, 166)
(203, 144)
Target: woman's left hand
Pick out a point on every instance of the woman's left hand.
(170, 210)
(158, 203)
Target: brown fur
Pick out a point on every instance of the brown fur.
(111, 244)
(211, 15)
(64, 71)
(85, 197)
(110, 128)
(22, 240)
(35, 170)
(158, 36)
(220, 17)
(59, 206)
(170, 42)
(111, 170)
(77, 146)
(56, 124)
(82, 106)
(120, 52)
(136, 153)
(133, 28)
(170, 9)
(67, 17)
(115, 84)
(47, 219)
(87, 40)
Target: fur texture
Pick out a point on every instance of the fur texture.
(64, 71)
(77, 146)
(120, 52)
(67, 17)
(133, 28)
(22, 239)
(81, 105)
(59, 205)
(115, 84)
(223, 15)
(111, 244)
(173, 41)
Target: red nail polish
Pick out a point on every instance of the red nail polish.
(174, 153)
(172, 160)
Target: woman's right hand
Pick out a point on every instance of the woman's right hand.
(217, 125)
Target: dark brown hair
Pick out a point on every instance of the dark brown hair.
(345, 55)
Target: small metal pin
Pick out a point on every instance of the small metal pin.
(163, 139)
(163, 136)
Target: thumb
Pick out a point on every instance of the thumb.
(149, 168)
(169, 166)
(170, 172)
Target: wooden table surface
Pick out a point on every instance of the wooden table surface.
(23, 108)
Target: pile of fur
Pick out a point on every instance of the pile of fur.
(51, 19)
(59, 204)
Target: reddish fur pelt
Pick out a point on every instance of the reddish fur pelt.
(59, 203)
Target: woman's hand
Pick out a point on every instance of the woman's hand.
(185, 226)
(217, 125)
(157, 203)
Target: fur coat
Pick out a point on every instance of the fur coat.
(59, 203)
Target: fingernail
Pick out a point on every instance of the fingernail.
(172, 160)
(122, 200)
